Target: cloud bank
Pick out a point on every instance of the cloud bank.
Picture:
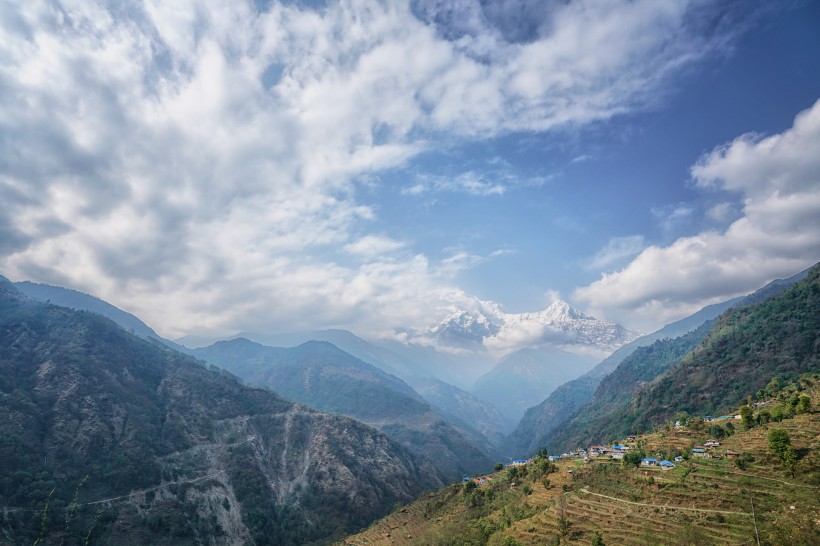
(777, 234)
(197, 163)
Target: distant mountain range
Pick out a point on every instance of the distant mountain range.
(321, 375)
(558, 325)
(420, 367)
(525, 377)
(109, 439)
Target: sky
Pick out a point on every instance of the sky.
(224, 166)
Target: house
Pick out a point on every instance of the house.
(709, 418)
(617, 454)
(554, 457)
(630, 439)
(649, 461)
(699, 451)
(712, 443)
(678, 459)
(519, 462)
(597, 451)
(667, 465)
(731, 454)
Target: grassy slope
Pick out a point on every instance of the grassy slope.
(699, 502)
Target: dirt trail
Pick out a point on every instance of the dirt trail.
(665, 506)
(8, 509)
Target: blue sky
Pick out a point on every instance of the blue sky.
(216, 167)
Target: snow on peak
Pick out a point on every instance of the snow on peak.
(559, 324)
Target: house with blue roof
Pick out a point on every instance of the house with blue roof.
(649, 461)
(667, 465)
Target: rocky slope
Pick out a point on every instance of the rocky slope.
(109, 439)
(321, 375)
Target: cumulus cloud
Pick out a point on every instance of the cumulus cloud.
(777, 234)
(197, 162)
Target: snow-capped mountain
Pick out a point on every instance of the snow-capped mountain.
(559, 324)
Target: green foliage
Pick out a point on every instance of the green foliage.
(597, 540)
(780, 445)
(716, 431)
(804, 404)
(633, 458)
(747, 417)
(772, 387)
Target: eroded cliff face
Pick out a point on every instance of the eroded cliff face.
(112, 439)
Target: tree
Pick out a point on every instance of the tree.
(778, 441)
(804, 404)
(597, 540)
(780, 444)
(498, 467)
(773, 387)
(747, 417)
(716, 431)
(633, 458)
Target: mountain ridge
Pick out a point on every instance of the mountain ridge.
(325, 377)
(541, 420)
(89, 412)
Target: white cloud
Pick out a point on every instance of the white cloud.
(373, 245)
(722, 212)
(672, 218)
(469, 182)
(777, 235)
(617, 249)
(196, 162)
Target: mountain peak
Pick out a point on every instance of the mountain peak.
(559, 324)
(561, 309)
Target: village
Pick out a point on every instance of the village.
(632, 444)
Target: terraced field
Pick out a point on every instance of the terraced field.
(701, 501)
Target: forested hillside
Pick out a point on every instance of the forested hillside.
(779, 337)
(607, 414)
(109, 439)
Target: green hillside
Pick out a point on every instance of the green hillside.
(608, 413)
(752, 498)
(746, 348)
(707, 371)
